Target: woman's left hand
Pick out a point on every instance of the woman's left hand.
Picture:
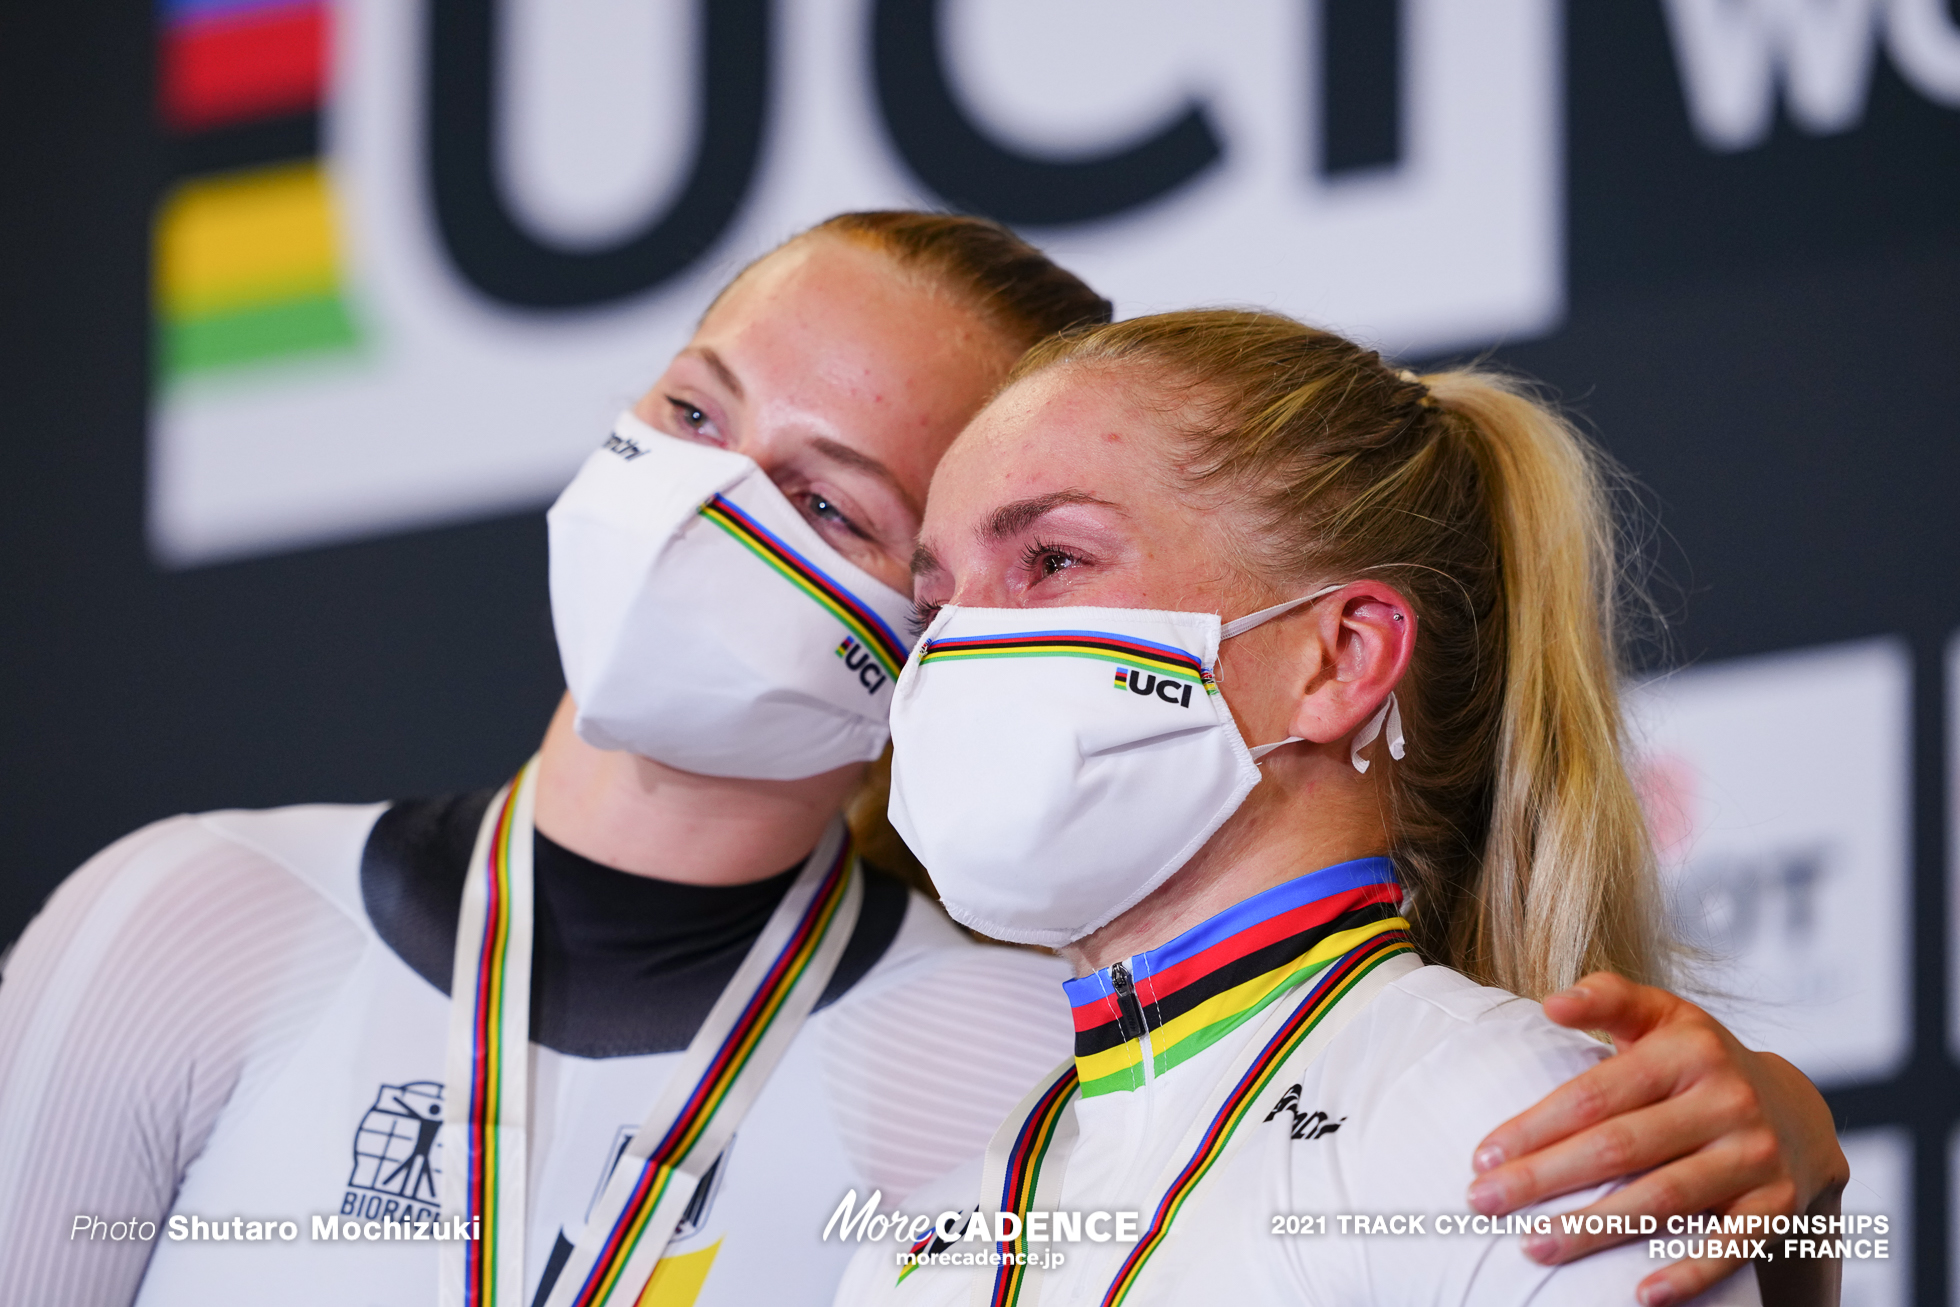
(1716, 1128)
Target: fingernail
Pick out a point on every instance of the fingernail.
(1488, 1158)
(1575, 992)
(1487, 1196)
(1657, 1295)
(1540, 1248)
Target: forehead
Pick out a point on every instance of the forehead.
(840, 335)
(1071, 427)
(823, 290)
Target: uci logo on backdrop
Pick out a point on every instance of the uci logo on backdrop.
(415, 249)
(415, 252)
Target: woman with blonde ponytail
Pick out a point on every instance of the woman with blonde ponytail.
(1276, 690)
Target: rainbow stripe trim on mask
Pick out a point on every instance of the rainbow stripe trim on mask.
(1211, 980)
(658, 1171)
(1125, 650)
(866, 625)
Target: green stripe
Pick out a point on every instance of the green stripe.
(255, 335)
(1145, 664)
(865, 636)
(1205, 1036)
(1239, 1110)
(1115, 1082)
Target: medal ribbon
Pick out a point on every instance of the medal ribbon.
(1029, 1153)
(484, 1129)
(720, 1075)
(722, 1071)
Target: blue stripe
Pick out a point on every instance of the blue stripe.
(1169, 651)
(897, 649)
(1298, 892)
(181, 10)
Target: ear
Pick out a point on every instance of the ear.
(1365, 632)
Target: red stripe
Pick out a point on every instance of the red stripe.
(767, 539)
(235, 67)
(1093, 642)
(1018, 1193)
(1096, 1012)
(494, 907)
(603, 1259)
(752, 1013)
(1255, 1076)
(1162, 984)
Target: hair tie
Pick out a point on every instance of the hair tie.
(1408, 375)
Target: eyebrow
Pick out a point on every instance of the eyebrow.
(924, 562)
(723, 373)
(1012, 519)
(837, 452)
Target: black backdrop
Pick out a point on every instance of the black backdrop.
(1768, 340)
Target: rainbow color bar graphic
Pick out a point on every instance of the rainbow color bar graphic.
(247, 252)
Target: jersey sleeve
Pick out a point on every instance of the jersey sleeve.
(131, 1007)
(1486, 1056)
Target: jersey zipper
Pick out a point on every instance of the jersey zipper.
(1129, 1012)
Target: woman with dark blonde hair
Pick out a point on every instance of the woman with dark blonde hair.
(1276, 689)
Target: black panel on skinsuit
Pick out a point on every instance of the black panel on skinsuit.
(621, 965)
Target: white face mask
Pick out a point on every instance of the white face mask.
(1053, 766)
(705, 624)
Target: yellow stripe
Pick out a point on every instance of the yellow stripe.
(773, 1005)
(1219, 1007)
(495, 1055)
(1237, 1112)
(1109, 1062)
(1236, 999)
(245, 239)
(1142, 662)
(676, 1281)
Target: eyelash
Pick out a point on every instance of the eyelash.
(691, 414)
(1033, 556)
(842, 519)
(694, 418)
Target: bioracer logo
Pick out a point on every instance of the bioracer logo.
(859, 659)
(1165, 688)
(626, 449)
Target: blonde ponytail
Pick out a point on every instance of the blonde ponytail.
(1567, 882)
(1514, 823)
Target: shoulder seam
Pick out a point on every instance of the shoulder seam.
(204, 824)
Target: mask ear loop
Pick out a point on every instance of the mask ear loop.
(1390, 712)
(1240, 625)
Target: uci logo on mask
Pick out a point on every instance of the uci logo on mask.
(1146, 683)
(859, 659)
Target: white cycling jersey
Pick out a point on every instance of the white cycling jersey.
(243, 1014)
(1287, 1100)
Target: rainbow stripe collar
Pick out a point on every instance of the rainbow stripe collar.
(1192, 991)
